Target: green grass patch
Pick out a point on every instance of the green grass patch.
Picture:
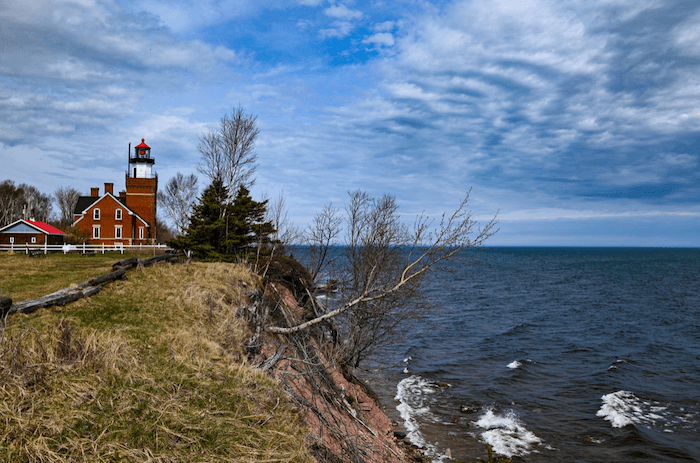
(23, 277)
(151, 369)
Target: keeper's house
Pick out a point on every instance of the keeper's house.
(23, 232)
(129, 218)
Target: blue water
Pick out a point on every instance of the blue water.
(559, 354)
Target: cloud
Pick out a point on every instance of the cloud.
(384, 26)
(536, 88)
(381, 39)
(75, 65)
(342, 12)
(339, 30)
(570, 109)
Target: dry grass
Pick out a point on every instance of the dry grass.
(149, 370)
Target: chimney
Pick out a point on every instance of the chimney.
(94, 192)
(109, 188)
(122, 194)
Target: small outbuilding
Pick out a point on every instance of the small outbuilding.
(31, 232)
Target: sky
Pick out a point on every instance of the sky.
(576, 121)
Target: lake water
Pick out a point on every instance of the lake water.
(557, 354)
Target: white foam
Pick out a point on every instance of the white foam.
(514, 364)
(619, 409)
(412, 394)
(506, 434)
(407, 359)
(623, 408)
(405, 370)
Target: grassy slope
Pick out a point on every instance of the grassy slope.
(151, 369)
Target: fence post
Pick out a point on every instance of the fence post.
(46, 239)
(26, 245)
(103, 248)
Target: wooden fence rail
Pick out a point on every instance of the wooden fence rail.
(84, 248)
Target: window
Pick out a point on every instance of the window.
(140, 233)
(12, 240)
(96, 214)
(96, 232)
(33, 239)
(118, 231)
(118, 214)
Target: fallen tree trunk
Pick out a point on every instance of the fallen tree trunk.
(61, 297)
(117, 274)
(153, 260)
(130, 262)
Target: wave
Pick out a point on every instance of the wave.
(506, 434)
(413, 394)
(623, 408)
(517, 363)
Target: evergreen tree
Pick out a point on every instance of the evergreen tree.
(246, 222)
(221, 232)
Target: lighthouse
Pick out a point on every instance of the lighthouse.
(142, 188)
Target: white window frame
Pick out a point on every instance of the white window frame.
(96, 214)
(12, 240)
(141, 233)
(33, 240)
(96, 231)
(118, 231)
(118, 214)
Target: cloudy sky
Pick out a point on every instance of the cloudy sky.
(577, 120)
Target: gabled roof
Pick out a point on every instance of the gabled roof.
(91, 201)
(84, 203)
(51, 230)
(42, 227)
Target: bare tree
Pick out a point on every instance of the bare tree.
(285, 231)
(178, 199)
(11, 202)
(228, 153)
(385, 265)
(37, 205)
(67, 198)
(321, 235)
(23, 201)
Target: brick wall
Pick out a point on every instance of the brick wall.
(108, 222)
(141, 198)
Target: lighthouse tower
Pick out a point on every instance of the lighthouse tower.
(142, 188)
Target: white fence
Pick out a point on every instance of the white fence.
(79, 248)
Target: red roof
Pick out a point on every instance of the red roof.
(143, 144)
(46, 227)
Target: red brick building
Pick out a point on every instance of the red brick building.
(31, 232)
(129, 218)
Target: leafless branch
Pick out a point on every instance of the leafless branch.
(385, 265)
(178, 199)
(229, 152)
